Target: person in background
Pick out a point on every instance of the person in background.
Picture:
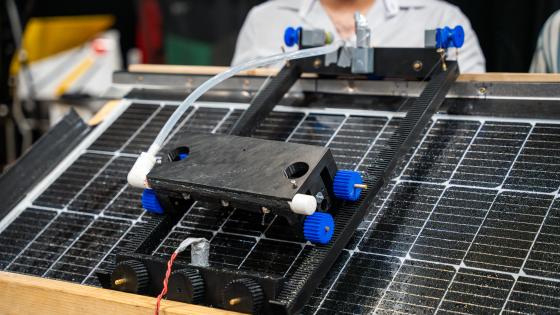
(547, 54)
(394, 23)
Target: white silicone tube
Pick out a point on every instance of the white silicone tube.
(137, 175)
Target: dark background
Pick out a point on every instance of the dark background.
(508, 31)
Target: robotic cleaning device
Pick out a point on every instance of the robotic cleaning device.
(300, 183)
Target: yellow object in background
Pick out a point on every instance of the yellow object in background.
(47, 36)
(76, 73)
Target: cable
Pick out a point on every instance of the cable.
(191, 241)
(165, 281)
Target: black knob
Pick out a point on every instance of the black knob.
(243, 295)
(186, 285)
(130, 276)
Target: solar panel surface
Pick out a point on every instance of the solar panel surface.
(470, 223)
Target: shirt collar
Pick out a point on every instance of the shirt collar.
(392, 7)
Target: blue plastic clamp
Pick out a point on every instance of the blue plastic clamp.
(344, 185)
(291, 36)
(318, 228)
(449, 38)
(150, 202)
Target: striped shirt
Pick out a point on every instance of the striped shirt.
(547, 54)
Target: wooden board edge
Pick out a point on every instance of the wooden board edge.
(197, 70)
(22, 294)
(510, 77)
(103, 112)
(467, 77)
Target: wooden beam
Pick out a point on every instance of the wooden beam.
(468, 77)
(510, 77)
(21, 294)
(199, 70)
(103, 112)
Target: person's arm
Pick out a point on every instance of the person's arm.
(539, 64)
(545, 59)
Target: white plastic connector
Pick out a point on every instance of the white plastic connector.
(303, 204)
(137, 175)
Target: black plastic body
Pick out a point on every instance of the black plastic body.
(295, 290)
(245, 173)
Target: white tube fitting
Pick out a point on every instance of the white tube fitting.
(303, 204)
(143, 165)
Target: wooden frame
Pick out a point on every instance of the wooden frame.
(479, 77)
(21, 294)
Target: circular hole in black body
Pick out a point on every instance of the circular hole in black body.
(178, 154)
(296, 170)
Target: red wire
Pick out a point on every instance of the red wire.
(165, 282)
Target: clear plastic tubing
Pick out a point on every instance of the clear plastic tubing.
(217, 79)
(143, 165)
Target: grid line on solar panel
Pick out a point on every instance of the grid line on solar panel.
(16, 237)
(544, 258)
(203, 120)
(440, 151)
(49, 244)
(408, 238)
(537, 167)
(491, 155)
(93, 241)
(508, 231)
(533, 296)
(130, 123)
(141, 140)
(452, 225)
(97, 194)
(63, 190)
(355, 139)
(475, 292)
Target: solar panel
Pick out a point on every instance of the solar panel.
(469, 224)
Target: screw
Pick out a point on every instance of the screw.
(294, 183)
(360, 186)
(317, 63)
(319, 197)
(225, 203)
(482, 90)
(265, 210)
(417, 66)
(120, 282)
(186, 196)
(235, 301)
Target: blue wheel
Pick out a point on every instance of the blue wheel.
(448, 38)
(291, 36)
(348, 185)
(150, 202)
(318, 228)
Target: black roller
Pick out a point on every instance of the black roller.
(244, 296)
(186, 285)
(130, 276)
